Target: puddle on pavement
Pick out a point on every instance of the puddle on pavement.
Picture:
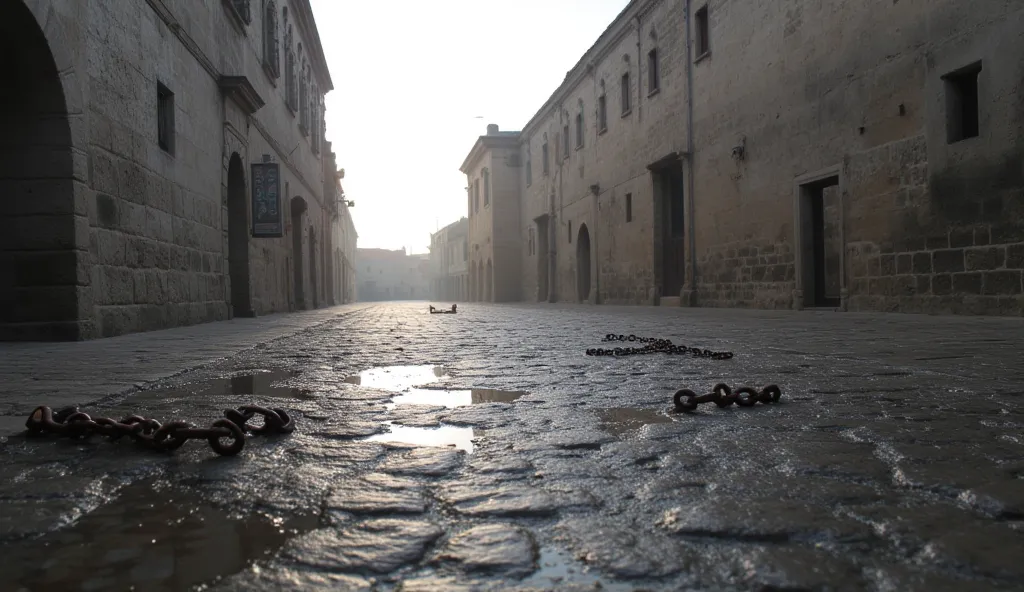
(148, 539)
(444, 436)
(455, 397)
(408, 380)
(556, 568)
(261, 384)
(622, 420)
(397, 378)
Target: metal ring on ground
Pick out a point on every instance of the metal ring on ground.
(237, 436)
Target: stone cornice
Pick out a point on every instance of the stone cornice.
(241, 90)
(483, 143)
(304, 17)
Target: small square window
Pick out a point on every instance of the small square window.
(629, 207)
(701, 31)
(962, 117)
(165, 118)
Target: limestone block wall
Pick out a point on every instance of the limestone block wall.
(857, 91)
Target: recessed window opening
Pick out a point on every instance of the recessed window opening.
(962, 105)
(629, 207)
(701, 32)
(165, 118)
(653, 76)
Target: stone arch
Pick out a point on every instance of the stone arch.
(489, 283)
(583, 264)
(238, 239)
(298, 207)
(44, 259)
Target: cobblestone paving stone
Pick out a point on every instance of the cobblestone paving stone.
(895, 460)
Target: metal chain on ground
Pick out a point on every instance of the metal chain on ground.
(451, 310)
(166, 437)
(654, 345)
(723, 396)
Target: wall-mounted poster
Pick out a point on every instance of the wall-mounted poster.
(267, 215)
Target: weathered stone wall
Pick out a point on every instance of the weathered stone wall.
(926, 225)
(623, 257)
(155, 246)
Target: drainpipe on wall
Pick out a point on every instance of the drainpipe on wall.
(691, 300)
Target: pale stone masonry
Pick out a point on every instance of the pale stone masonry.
(130, 132)
(449, 262)
(855, 156)
(384, 274)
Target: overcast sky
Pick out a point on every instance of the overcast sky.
(410, 79)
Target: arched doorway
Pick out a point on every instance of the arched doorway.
(489, 283)
(298, 259)
(39, 260)
(583, 263)
(238, 239)
(312, 267)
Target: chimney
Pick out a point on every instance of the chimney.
(492, 129)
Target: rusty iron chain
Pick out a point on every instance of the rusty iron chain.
(451, 310)
(722, 395)
(654, 345)
(165, 437)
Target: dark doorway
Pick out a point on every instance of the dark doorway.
(312, 267)
(821, 243)
(542, 259)
(583, 264)
(238, 239)
(298, 218)
(40, 277)
(668, 187)
(489, 283)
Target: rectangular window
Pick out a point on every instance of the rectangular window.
(962, 118)
(579, 131)
(653, 76)
(570, 231)
(565, 143)
(626, 106)
(544, 156)
(701, 31)
(476, 196)
(529, 169)
(629, 207)
(165, 118)
(602, 114)
(487, 188)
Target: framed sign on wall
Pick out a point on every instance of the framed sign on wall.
(267, 214)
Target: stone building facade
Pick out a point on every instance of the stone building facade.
(340, 257)
(493, 198)
(449, 262)
(131, 129)
(384, 274)
(787, 154)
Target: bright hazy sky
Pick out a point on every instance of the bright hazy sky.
(411, 77)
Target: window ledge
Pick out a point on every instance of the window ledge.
(272, 76)
(654, 92)
(627, 113)
(602, 131)
(702, 57)
(236, 18)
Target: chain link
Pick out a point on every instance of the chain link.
(654, 345)
(452, 310)
(166, 437)
(723, 396)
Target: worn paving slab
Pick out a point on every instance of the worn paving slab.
(895, 460)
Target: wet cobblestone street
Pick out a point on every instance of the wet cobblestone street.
(485, 451)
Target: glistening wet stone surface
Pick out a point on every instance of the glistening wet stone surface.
(888, 464)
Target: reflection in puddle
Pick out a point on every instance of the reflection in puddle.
(455, 398)
(557, 569)
(261, 384)
(397, 378)
(458, 437)
(621, 420)
(148, 539)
